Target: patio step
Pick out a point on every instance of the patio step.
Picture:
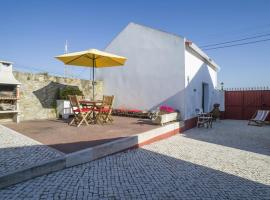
(90, 154)
(32, 172)
(93, 153)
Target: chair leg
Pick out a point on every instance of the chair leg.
(255, 123)
(83, 118)
(72, 121)
(198, 123)
(88, 117)
(98, 118)
(110, 119)
(104, 118)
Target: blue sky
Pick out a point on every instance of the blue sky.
(33, 32)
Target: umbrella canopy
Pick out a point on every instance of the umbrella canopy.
(92, 58)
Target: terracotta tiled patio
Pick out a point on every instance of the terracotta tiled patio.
(59, 135)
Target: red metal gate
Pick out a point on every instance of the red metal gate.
(243, 104)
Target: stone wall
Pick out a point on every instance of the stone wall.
(38, 93)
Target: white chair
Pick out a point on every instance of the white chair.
(259, 118)
(203, 118)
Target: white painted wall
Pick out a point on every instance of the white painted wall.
(159, 71)
(154, 72)
(219, 97)
(196, 73)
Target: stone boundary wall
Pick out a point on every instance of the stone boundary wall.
(39, 92)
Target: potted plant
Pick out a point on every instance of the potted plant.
(164, 115)
(63, 107)
(216, 112)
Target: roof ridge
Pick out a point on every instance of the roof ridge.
(156, 29)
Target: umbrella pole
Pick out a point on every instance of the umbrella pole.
(93, 79)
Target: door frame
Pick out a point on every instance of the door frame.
(204, 93)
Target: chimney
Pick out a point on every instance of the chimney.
(6, 75)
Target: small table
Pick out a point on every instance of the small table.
(93, 105)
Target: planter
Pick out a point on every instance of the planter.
(165, 118)
(63, 109)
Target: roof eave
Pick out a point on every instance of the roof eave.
(203, 55)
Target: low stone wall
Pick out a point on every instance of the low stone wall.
(38, 93)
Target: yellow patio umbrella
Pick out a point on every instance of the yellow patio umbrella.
(92, 58)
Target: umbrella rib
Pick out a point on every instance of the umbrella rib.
(115, 61)
(109, 58)
(98, 57)
(89, 57)
(74, 59)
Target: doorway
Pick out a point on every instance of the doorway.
(205, 97)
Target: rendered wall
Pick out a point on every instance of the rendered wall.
(154, 72)
(196, 73)
(38, 93)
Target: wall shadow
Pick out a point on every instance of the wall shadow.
(190, 97)
(49, 94)
(147, 173)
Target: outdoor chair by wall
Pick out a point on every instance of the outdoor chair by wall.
(259, 118)
(80, 114)
(105, 110)
(203, 118)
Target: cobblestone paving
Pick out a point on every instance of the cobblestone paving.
(18, 151)
(181, 167)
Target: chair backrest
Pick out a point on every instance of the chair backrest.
(74, 102)
(199, 111)
(261, 115)
(107, 101)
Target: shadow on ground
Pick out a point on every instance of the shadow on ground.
(236, 134)
(77, 146)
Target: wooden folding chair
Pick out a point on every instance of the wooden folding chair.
(80, 114)
(105, 110)
(258, 119)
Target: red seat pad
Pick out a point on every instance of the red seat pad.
(102, 110)
(82, 110)
(105, 110)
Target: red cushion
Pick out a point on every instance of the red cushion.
(105, 110)
(82, 110)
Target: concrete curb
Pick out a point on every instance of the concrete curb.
(93, 153)
(32, 172)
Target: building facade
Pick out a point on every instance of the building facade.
(162, 69)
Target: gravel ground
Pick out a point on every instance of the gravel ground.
(230, 161)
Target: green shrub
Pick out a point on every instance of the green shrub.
(69, 90)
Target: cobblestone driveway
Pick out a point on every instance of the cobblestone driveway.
(197, 165)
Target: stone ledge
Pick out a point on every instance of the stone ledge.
(135, 141)
(32, 172)
(91, 154)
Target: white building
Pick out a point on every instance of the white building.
(162, 69)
